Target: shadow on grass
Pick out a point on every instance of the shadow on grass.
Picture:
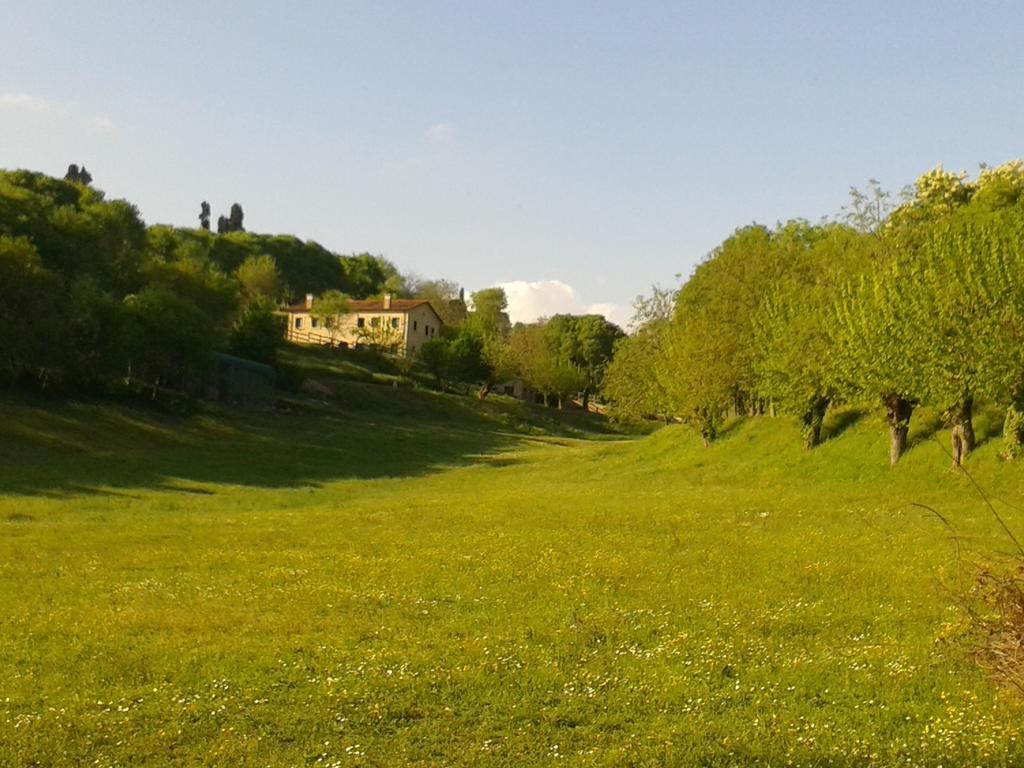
(55, 448)
(731, 425)
(924, 427)
(837, 422)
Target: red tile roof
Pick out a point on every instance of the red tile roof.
(372, 305)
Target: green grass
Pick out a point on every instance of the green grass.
(394, 577)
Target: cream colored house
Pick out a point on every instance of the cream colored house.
(398, 326)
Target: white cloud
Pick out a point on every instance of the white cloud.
(440, 134)
(23, 102)
(616, 313)
(529, 301)
(27, 104)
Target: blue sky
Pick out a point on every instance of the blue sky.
(576, 151)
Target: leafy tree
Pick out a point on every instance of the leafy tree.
(204, 215)
(541, 366)
(257, 332)
(95, 335)
(794, 329)
(30, 295)
(258, 277)
(467, 361)
(328, 309)
(200, 283)
(364, 275)
(869, 208)
(631, 385)
(710, 350)
(433, 354)
(489, 317)
(170, 335)
(873, 335)
(586, 343)
(235, 218)
(78, 175)
(444, 296)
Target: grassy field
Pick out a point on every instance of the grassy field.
(394, 577)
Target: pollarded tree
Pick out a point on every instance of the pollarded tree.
(971, 309)
(796, 365)
(874, 333)
(960, 242)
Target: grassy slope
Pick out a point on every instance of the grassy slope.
(411, 579)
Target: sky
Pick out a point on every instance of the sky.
(576, 153)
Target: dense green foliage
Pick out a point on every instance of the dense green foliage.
(921, 304)
(91, 298)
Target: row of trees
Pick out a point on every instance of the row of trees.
(89, 295)
(904, 303)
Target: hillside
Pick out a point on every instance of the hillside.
(396, 577)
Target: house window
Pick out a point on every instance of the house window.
(312, 322)
(432, 332)
(298, 323)
(374, 321)
(394, 322)
(415, 325)
(361, 322)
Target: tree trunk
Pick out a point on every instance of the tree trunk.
(560, 403)
(812, 420)
(897, 414)
(739, 405)
(1013, 425)
(586, 400)
(708, 431)
(484, 390)
(962, 436)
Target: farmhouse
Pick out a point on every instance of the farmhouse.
(398, 326)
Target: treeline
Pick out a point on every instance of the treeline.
(558, 358)
(908, 302)
(90, 297)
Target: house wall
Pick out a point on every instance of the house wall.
(397, 332)
(422, 325)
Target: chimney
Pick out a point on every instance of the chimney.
(387, 301)
(309, 301)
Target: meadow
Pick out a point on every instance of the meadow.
(394, 577)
